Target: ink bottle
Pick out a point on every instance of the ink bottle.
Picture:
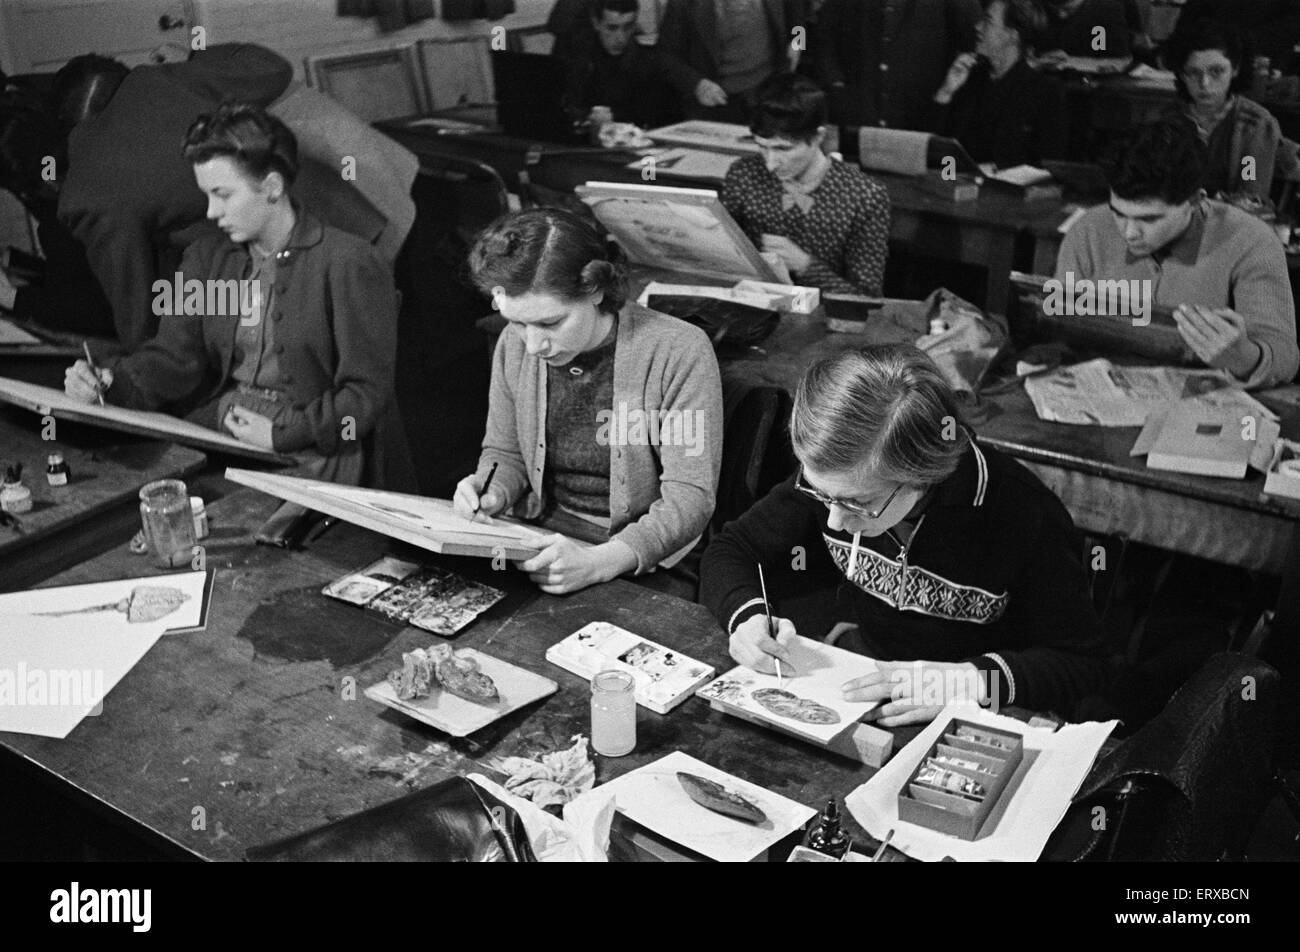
(57, 472)
(14, 496)
(826, 836)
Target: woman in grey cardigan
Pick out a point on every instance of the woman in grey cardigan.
(604, 418)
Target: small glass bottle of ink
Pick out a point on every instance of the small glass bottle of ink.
(56, 470)
(826, 835)
(14, 496)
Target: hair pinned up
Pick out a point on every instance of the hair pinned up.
(549, 251)
(254, 139)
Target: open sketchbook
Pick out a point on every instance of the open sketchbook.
(420, 520)
(47, 400)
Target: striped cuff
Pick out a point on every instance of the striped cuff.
(733, 622)
(1006, 673)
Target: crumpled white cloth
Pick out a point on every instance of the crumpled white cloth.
(581, 837)
(555, 779)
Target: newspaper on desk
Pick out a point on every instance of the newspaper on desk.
(1054, 766)
(1098, 393)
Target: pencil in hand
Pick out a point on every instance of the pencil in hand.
(90, 362)
(487, 484)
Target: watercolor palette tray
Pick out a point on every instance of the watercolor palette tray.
(458, 717)
(425, 597)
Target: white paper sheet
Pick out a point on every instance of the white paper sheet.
(54, 671)
(11, 334)
(1099, 393)
(1054, 766)
(653, 796)
(688, 163)
(821, 671)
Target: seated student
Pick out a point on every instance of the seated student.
(992, 102)
(304, 364)
(1245, 144)
(1088, 28)
(1222, 270)
(828, 221)
(607, 67)
(1268, 27)
(604, 417)
(128, 197)
(950, 553)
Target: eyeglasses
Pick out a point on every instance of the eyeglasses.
(848, 505)
(1215, 73)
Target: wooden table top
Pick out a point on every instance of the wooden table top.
(108, 470)
(249, 719)
(1006, 421)
(564, 167)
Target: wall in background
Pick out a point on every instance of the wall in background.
(39, 35)
(299, 28)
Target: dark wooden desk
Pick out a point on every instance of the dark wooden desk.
(988, 232)
(254, 722)
(98, 508)
(1089, 467)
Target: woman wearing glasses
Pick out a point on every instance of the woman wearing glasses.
(1245, 143)
(947, 553)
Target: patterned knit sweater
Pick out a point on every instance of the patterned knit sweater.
(991, 575)
(846, 231)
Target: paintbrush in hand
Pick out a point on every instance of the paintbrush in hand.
(771, 628)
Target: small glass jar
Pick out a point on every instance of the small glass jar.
(56, 470)
(613, 713)
(168, 522)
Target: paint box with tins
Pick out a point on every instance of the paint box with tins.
(961, 780)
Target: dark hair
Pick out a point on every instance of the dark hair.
(257, 141)
(27, 137)
(548, 251)
(597, 8)
(788, 106)
(1164, 160)
(84, 86)
(1026, 17)
(1209, 35)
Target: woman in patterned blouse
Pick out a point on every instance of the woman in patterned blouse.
(827, 221)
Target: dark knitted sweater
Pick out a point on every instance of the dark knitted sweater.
(991, 575)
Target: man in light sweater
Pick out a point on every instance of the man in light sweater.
(1221, 270)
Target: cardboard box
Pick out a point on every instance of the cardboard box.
(1283, 478)
(987, 767)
